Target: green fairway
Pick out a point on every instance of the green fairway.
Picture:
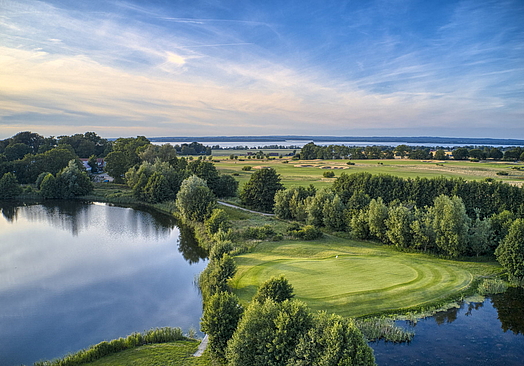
(354, 278)
(306, 172)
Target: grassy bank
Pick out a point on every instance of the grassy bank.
(167, 354)
(355, 278)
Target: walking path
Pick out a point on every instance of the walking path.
(245, 209)
(201, 348)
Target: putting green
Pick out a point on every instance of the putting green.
(351, 280)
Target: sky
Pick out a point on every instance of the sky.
(262, 67)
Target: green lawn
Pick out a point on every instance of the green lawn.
(364, 279)
(164, 354)
(303, 173)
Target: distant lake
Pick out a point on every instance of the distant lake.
(301, 143)
(75, 274)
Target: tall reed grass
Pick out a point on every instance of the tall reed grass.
(383, 328)
(492, 286)
(102, 349)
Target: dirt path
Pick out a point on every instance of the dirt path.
(201, 348)
(245, 209)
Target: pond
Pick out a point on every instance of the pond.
(484, 333)
(73, 274)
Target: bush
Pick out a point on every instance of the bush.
(247, 168)
(350, 163)
(329, 174)
(308, 232)
(502, 173)
(260, 233)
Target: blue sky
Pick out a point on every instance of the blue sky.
(204, 68)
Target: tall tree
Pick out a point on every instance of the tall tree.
(9, 187)
(451, 225)
(195, 201)
(510, 252)
(73, 182)
(277, 289)
(259, 192)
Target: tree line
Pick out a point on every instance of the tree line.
(312, 151)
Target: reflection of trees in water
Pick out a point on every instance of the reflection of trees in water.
(9, 211)
(188, 245)
(448, 316)
(68, 215)
(510, 309)
(473, 306)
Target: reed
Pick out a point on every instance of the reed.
(102, 349)
(383, 328)
(492, 286)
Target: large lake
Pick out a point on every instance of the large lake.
(75, 274)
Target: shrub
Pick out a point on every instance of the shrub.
(260, 233)
(329, 174)
(350, 163)
(308, 232)
(247, 168)
(502, 173)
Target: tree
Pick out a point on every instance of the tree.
(93, 164)
(157, 189)
(49, 187)
(222, 313)
(195, 201)
(334, 214)
(377, 214)
(73, 182)
(460, 153)
(268, 333)
(16, 151)
(218, 220)
(116, 165)
(440, 155)
(315, 207)
(451, 225)
(259, 192)
(9, 187)
(332, 340)
(277, 289)
(398, 226)
(227, 186)
(510, 252)
(480, 236)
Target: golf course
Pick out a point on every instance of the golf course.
(355, 278)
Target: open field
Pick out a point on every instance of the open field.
(306, 172)
(355, 278)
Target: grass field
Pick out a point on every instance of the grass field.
(305, 172)
(355, 278)
(163, 354)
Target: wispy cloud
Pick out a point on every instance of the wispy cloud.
(66, 71)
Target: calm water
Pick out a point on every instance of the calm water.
(73, 274)
(488, 333)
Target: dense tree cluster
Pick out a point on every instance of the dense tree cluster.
(394, 211)
(259, 192)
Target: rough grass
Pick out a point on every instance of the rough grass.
(169, 354)
(364, 279)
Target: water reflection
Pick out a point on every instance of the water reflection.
(480, 333)
(510, 309)
(188, 246)
(74, 274)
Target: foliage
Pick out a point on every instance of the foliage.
(510, 252)
(383, 328)
(259, 192)
(258, 232)
(227, 186)
(9, 187)
(195, 201)
(73, 182)
(451, 225)
(159, 335)
(328, 174)
(222, 313)
(398, 223)
(492, 286)
(334, 214)
(286, 333)
(218, 220)
(277, 289)
(307, 232)
(49, 188)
